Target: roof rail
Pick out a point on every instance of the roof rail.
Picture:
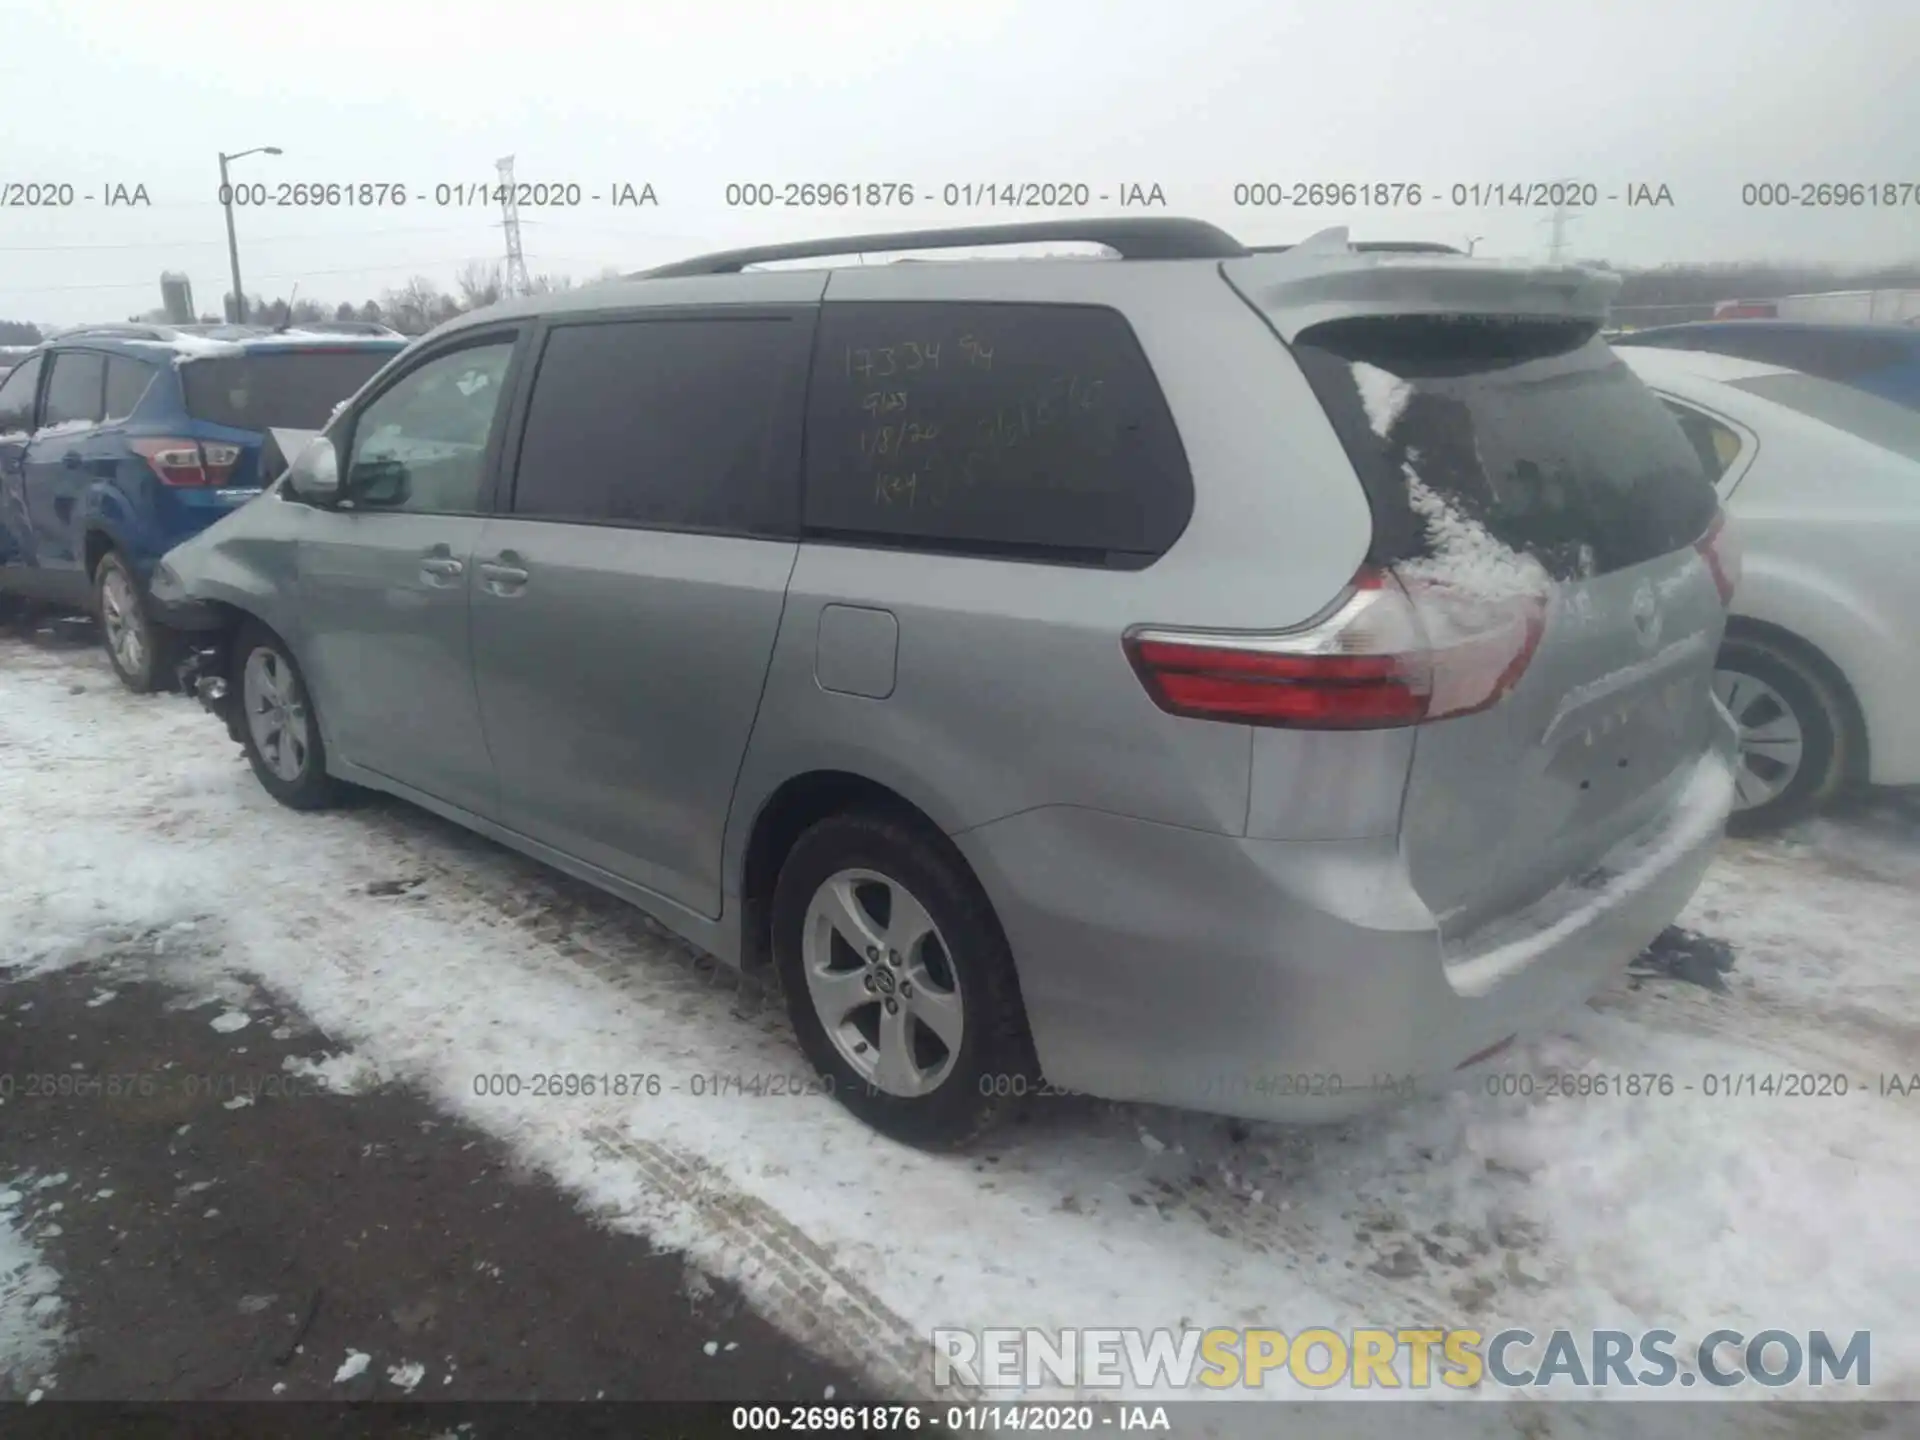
(1143, 238)
(1384, 247)
(120, 329)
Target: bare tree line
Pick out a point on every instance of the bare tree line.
(1673, 292)
(415, 307)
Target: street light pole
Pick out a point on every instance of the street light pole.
(233, 243)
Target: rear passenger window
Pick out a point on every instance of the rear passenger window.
(1714, 443)
(675, 423)
(74, 391)
(999, 428)
(127, 381)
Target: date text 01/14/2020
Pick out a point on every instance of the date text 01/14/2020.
(391, 194)
(970, 195)
(1713, 1085)
(954, 1419)
(646, 1085)
(151, 1084)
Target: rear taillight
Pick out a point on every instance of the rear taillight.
(1720, 548)
(1393, 653)
(189, 462)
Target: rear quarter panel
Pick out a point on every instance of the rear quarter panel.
(1012, 688)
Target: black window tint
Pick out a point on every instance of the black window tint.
(1008, 428)
(289, 389)
(74, 391)
(16, 397)
(1533, 429)
(684, 423)
(127, 381)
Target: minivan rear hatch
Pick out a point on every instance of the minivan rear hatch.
(1512, 460)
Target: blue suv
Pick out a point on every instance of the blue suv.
(118, 442)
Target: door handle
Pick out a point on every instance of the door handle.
(71, 460)
(434, 568)
(502, 579)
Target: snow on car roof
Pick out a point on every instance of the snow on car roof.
(188, 348)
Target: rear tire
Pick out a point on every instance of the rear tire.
(141, 650)
(1792, 733)
(279, 727)
(920, 1032)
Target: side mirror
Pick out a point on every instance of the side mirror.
(315, 474)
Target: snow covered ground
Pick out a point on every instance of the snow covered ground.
(132, 835)
(30, 1303)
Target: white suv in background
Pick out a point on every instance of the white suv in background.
(1821, 664)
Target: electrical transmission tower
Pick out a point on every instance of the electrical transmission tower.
(1557, 246)
(515, 282)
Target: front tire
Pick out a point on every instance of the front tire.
(899, 981)
(1792, 734)
(140, 649)
(279, 728)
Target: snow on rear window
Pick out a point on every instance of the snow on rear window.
(1463, 554)
(1532, 430)
(1383, 394)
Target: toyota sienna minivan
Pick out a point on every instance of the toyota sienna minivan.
(1264, 681)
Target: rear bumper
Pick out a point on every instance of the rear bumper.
(1304, 981)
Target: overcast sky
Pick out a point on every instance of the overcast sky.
(1197, 96)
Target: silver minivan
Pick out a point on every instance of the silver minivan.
(1262, 681)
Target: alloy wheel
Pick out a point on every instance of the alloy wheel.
(882, 982)
(1772, 741)
(276, 713)
(120, 616)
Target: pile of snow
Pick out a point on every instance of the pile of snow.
(348, 1073)
(31, 1309)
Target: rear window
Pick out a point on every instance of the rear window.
(1885, 423)
(294, 389)
(1034, 431)
(1533, 430)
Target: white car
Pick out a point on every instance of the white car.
(1821, 664)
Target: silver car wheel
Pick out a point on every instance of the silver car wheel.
(882, 982)
(120, 615)
(276, 714)
(1771, 739)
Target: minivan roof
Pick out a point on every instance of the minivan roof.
(1129, 238)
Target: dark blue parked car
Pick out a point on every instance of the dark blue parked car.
(119, 442)
(1881, 359)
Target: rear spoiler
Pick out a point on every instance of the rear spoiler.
(1328, 278)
